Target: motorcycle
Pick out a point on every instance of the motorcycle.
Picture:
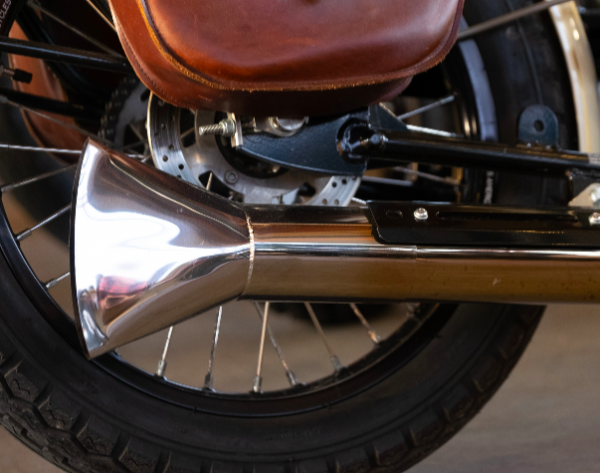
(386, 192)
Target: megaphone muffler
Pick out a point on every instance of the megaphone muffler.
(149, 251)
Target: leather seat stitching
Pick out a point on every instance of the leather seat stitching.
(143, 71)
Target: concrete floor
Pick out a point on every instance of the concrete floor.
(546, 418)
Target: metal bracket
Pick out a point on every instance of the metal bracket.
(314, 148)
(589, 197)
(410, 223)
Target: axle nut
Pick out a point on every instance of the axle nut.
(421, 215)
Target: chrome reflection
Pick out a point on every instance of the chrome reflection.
(582, 73)
(143, 245)
(150, 250)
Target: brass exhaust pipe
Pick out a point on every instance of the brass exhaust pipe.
(149, 251)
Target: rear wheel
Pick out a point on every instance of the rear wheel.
(388, 410)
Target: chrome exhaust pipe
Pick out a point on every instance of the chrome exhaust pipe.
(149, 251)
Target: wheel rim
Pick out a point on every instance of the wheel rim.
(353, 380)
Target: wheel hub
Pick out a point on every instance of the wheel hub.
(194, 158)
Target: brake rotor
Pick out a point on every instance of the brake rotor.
(196, 158)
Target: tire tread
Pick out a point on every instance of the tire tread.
(44, 418)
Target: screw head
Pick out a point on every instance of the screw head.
(231, 177)
(421, 215)
(595, 219)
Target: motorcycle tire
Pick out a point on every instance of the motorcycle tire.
(85, 420)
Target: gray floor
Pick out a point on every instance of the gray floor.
(546, 418)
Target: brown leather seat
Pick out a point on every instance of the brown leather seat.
(283, 57)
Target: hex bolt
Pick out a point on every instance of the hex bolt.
(421, 215)
(231, 177)
(595, 219)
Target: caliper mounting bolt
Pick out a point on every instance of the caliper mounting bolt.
(225, 127)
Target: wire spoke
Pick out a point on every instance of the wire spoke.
(187, 133)
(101, 14)
(50, 284)
(427, 108)
(40, 149)
(372, 334)
(508, 18)
(65, 55)
(45, 104)
(431, 131)
(400, 183)
(4, 99)
(288, 372)
(130, 146)
(209, 378)
(335, 361)
(95, 42)
(162, 364)
(386, 181)
(431, 177)
(209, 183)
(420, 129)
(31, 180)
(257, 386)
(27, 233)
(89, 59)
